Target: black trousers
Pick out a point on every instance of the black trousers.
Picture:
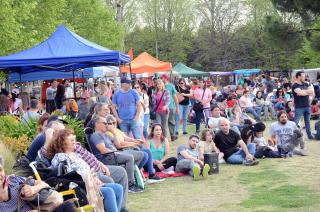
(167, 163)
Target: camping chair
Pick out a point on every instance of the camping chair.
(64, 193)
(110, 156)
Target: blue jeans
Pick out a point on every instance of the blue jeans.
(184, 110)
(256, 112)
(147, 161)
(128, 126)
(239, 156)
(306, 113)
(112, 197)
(146, 119)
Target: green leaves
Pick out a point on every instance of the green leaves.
(25, 23)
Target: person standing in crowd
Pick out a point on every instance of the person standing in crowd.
(32, 113)
(50, 95)
(127, 108)
(159, 147)
(16, 103)
(202, 95)
(161, 102)
(173, 107)
(146, 114)
(60, 96)
(137, 87)
(183, 97)
(301, 93)
(84, 105)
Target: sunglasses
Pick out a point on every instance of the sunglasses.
(136, 87)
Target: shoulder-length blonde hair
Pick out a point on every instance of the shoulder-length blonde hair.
(58, 142)
(204, 133)
(159, 82)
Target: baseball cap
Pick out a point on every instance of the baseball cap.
(125, 80)
(165, 76)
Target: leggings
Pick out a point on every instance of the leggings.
(167, 164)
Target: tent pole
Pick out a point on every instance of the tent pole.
(130, 71)
(83, 78)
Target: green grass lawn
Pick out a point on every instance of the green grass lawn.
(291, 184)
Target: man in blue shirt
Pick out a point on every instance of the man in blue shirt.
(126, 108)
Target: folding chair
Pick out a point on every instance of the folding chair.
(64, 193)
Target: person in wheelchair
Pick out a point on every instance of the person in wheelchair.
(61, 149)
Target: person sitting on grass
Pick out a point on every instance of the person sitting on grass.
(188, 159)
(159, 147)
(286, 136)
(229, 141)
(254, 134)
(206, 145)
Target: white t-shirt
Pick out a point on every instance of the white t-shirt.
(214, 123)
(16, 104)
(145, 101)
(283, 133)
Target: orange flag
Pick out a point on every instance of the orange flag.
(130, 53)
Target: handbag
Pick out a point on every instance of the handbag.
(47, 199)
(180, 96)
(197, 106)
(21, 166)
(153, 112)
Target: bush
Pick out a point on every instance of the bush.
(8, 157)
(16, 145)
(11, 127)
(77, 126)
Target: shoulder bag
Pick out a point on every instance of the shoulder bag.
(197, 106)
(153, 112)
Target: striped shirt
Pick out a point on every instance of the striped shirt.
(13, 188)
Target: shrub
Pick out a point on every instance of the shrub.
(77, 126)
(8, 157)
(11, 127)
(16, 145)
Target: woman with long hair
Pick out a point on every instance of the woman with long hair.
(4, 105)
(60, 96)
(279, 100)
(61, 148)
(184, 92)
(159, 147)
(161, 102)
(203, 97)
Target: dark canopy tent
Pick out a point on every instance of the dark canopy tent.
(62, 51)
(186, 71)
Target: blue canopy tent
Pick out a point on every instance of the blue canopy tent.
(48, 75)
(62, 51)
(245, 72)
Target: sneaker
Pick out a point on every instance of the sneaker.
(155, 179)
(250, 162)
(173, 138)
(311, 137)
(185, 133)
(205, 171)
(196, 172)
(301, 152)
(133, 189)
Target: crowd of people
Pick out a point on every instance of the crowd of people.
(129, 129)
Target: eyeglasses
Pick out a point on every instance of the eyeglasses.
(136, 87)
(111, 123)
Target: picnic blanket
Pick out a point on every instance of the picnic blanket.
(166, 175)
